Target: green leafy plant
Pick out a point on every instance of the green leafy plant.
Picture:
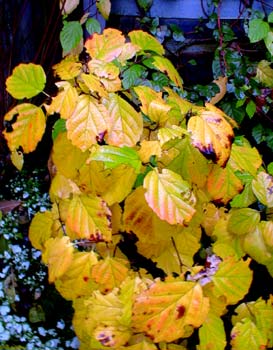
(157, 208)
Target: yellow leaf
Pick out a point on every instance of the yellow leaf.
(212, 135)
(104, 7)
(94, 84)
(223, 184)
(113, 185)
(263, 188)
(182, 106)
(264, 73)
(109, 273)
(232, 279)
(77, 282)
(221, 82)
(165, 66)
(65, 102)
(153, 104)
(40, 229)
(144, 344)
(167, 134)
(146, 41)
(139, 218)
(117, 186)
(182, 248)
(27, 127)
(58, 255)
(103, 69)
(148, 149)
(68, 68)
(167, 309)
(62, 188)
(17, 158)
(112, 336)
(89, 217)
(67, 158)
(146, 96)
(169, 196)
(87, 123)
(125, 125)
(106, 46)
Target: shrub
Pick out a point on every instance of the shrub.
(157, 208)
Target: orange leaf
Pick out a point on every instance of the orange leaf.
(106, 46)
(223, 184)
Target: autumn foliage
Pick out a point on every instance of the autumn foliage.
(135, 159)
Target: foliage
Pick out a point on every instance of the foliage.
(137, 162)
(24, 316)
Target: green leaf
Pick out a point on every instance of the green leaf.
(245, 198)
(246, 335)
(212, 334)
(270, 168)
(27, 80)
(93, 26)
(145, 4)
(258, 30)
(131, 75)
(243, 221)
(59, 126)
(268, 40)
(251, 108)
(113, 156)
(71, 34)
(245, 159)
(232, 279)
(265, 73)
(270, 17)
(169, 196)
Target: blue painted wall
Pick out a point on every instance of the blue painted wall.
(186, 9)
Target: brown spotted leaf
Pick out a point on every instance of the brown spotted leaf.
(89, 217)
(212, 135)
(167, 309)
